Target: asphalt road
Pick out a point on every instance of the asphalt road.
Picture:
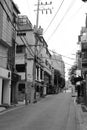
(54, 112)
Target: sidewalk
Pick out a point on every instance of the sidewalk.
(3, 109)
(10, 107)
(81, 112)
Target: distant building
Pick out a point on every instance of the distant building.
(58, 64)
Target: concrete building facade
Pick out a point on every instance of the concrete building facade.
(35, 54)
(7, 9)
(24, 52)
(82, 61)
(58, 64)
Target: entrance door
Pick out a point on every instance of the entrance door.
(2, 90)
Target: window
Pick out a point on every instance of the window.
(37, 69)
(37, 89)
(14, 18)
(84, 55)
(46, 51)
(84, 46)
(46, 62)
(20, 68)
(41, 74)
(21, 34)
(84, 65)
(21, 88)
(20, 49)
(49, 66)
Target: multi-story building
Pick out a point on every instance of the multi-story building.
(59, 69)
(8, 12)
(58, 64)
(82, 53)
(78, 59)
(31, 51)
(24, 58)
(82, 60)
(45, 56)
(11, 60)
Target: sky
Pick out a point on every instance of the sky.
(68, 17)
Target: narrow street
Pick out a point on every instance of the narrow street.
(54, 112)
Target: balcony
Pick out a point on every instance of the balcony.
(24, 23)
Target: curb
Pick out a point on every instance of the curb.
(2, 109)
(80, 117)
(12, 107)
(15, 106)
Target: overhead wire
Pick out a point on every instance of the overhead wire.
(67, 11)
(25, 38)
(61, 55)
(77, 11)
(54, 16)
(41, 57)
(15, 28)
(50, 51)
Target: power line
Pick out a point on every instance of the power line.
(16, 30)
(55, 60)
(70, 6)
(45, 58)
(77, 11)
(54, 16)
(62, 55)
(26, 39)
(30, 45)
(1, 57)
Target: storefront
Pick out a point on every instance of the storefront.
(14, 81)
(5, 86)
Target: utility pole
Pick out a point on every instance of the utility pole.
(37, 18)
(42, 9)
(26, 102)
(36, 42)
